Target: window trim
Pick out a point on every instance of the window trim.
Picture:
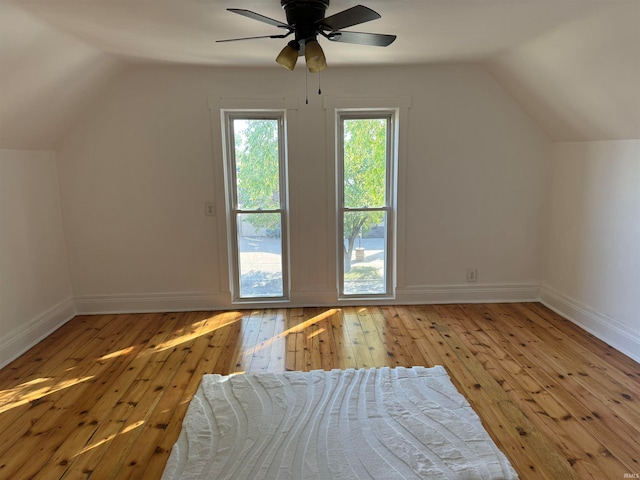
(231, 201)
(402, 104)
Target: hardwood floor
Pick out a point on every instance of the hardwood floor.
(104, 396)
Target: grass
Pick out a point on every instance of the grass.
(362, 273)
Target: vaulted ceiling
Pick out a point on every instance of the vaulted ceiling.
(573, 65)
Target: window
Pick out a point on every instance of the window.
(257, 205)
(366, 201)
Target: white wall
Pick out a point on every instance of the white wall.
(592, 261)
(35, 287)
(137, 169)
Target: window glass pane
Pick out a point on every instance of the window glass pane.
(260, 255)
(365, 252)
(256, 156)
(365, 151)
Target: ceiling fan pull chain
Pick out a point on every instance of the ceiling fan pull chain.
(319, 89)
(306, 86)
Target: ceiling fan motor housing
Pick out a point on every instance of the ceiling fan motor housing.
(304, 15)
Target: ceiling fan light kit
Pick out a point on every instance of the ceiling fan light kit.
(306, 20)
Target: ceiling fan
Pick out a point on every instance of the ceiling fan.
(306, 20)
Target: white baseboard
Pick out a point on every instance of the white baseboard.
(429, 294)
(189, 301)
(489, 293)
(619, 336)
(150, 302)
(22, 339)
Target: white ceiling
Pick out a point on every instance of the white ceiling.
(574, 65)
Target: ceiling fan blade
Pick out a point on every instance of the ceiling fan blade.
(252, 38)
(348, 18)
(257, 16)
(360, 38)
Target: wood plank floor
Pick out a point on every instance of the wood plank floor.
(104, 396)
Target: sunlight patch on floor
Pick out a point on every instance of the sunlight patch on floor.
(108, 438)
(21, 395)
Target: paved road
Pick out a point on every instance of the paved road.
(261, 275)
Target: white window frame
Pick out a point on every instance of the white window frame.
(390, 206)
(233, 211)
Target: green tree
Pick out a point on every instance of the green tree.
(257, 172)
(364, 173)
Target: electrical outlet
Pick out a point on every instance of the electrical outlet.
(210, 209)
(472, 274)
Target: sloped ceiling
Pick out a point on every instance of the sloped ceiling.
(574, 65)
(581, 80)
(46, 78)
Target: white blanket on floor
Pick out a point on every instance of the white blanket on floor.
(399, 423)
